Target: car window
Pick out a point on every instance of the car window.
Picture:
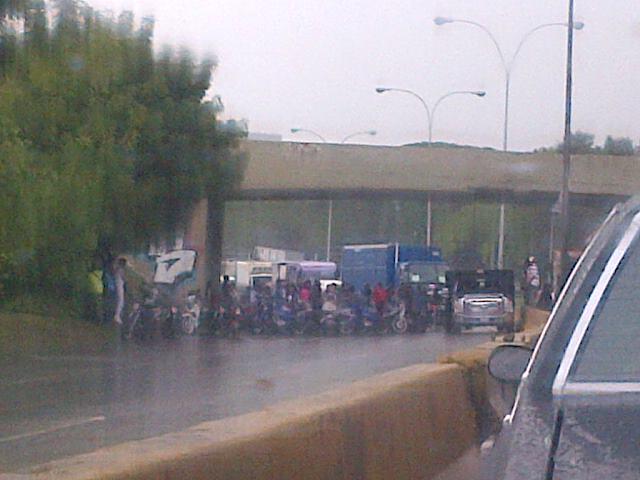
(611, 349)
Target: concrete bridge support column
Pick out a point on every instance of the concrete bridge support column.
(215, 231)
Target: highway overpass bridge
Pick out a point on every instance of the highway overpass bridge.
(283, 170)
(294, 171)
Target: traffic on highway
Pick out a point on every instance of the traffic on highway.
(329, 240)
(378, 289)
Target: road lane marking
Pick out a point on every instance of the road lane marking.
(62, 426)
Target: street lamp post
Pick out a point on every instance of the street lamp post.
(507, 65)
(431, 111)
(330, 211)
(430, 117)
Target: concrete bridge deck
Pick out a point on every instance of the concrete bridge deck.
(316, 170)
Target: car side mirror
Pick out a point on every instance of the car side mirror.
(508, 362)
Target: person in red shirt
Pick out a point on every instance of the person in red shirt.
(305, 293)
(380, 297)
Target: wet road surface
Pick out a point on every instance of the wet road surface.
(60, 405)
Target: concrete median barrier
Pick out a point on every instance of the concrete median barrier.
(535, 319)
(473, 362)
(406, 424)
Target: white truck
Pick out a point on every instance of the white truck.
(248, 273)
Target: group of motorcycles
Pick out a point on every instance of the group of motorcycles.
(282, 316)
(156, 317)
(414, 312)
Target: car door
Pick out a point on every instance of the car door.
(596, 391)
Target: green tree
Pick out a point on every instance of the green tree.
(103, 146)
(618, 146)
(581, 143)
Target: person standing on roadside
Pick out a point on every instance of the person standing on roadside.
(120, 284)
(532, 281)
(108, 290)
(316, 296)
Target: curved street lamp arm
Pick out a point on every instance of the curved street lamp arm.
(493, 39)
(306, 130)
(447, 95)
(527, 36)
(411, 92)
(355, 134)
(457, 92)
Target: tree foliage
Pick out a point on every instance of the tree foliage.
(583, 143)
(618, 146)
(103, 145)
(580, 142)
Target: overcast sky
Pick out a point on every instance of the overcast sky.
(315, 63)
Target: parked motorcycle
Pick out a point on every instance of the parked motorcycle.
(308, 321)
(285, 318)
(438, 304)
(261, 318)
(190, 315)
(225, 321)
(148, 317)
(347, 321)
(392, 319)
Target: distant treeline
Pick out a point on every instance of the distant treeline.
(104, 145)
(583, 143)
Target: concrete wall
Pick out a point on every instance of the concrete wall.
(407, 424)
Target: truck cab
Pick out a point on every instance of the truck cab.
(481, 298)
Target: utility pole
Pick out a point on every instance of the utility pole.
(563, 265)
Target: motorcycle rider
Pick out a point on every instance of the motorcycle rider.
(229, 302)
(380, 297)
(405, 295)
(330, 303)
(316, 296)
(305, 293)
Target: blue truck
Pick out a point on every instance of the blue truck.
(392, 264)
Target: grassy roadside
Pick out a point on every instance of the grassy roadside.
(32, 324)
(29, 334)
